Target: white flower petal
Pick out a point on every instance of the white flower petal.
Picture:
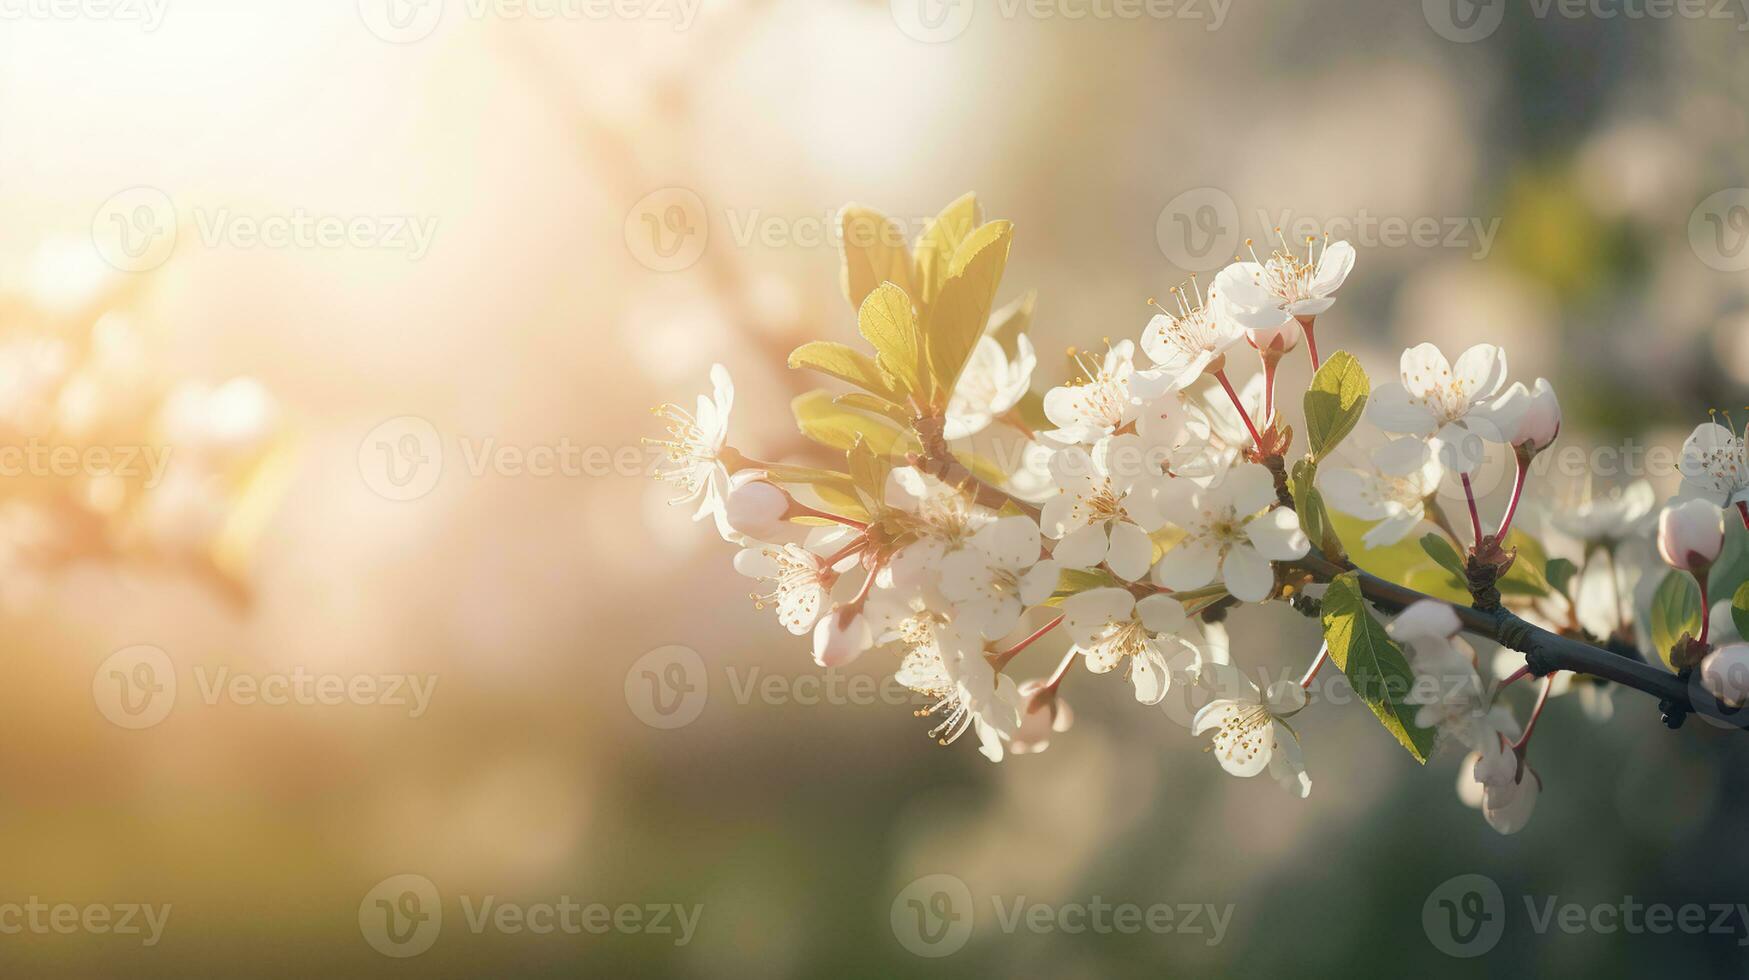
(1248, 575)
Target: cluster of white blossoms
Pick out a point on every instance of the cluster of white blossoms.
(1136, 506)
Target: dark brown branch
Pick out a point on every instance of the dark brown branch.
(1546, 652)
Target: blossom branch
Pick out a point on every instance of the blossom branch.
(1544, 652)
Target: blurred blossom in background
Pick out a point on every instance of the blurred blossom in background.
(384, 628)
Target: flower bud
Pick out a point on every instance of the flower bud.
(1507, 808)
(841, 637)
(1725, 674)
(1277, 339)
(755, 507)
(1041, 715)
(1530, 417)
(1691, 534)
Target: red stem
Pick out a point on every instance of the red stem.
(1475, 517)
(1311, 341)
(1535, 713)
(1269, 365)
(1221, 375)
(1706, 619)
(1317, 665)
(1743, 511)
(799, 509)
(1512, 507)
(1000, 660)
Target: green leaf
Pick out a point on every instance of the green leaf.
(939, 243)
(826, 422)
(1335, 402)
(958, 317)
(1675, 611)
(863, 402)
(1375, 665)
(1309, 503)
(846, 364)
(1559, 574)
(874, 252)
(1072, 581)
(1740, 609)
(1404, 563)
(1525, 577)
(868, 474)
(1441, 551)
(889, 324)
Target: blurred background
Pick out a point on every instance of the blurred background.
(392, 286)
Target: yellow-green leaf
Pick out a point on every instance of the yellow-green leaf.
(889, 324)
(1335, 402)
(940, 242)
(826, 422)
(874, 252)
(1375, 665)
(847, 364)
(1675, 611)
(958, 317)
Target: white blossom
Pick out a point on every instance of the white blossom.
(1251, 733)
(694, 447)
(990, 385)
(1264, 293)
(1451, 404)
(1102, 513)
(1229, 535)
(1110, 627)
(998, 576)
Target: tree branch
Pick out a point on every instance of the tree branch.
(1544, 652)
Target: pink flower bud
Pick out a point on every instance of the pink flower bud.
(1040, 717)
(1507, 808)
(755, 507)
(841, 637)
(1725, 674)
(1691, 534)
(1529, 417)
(1278, 339)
